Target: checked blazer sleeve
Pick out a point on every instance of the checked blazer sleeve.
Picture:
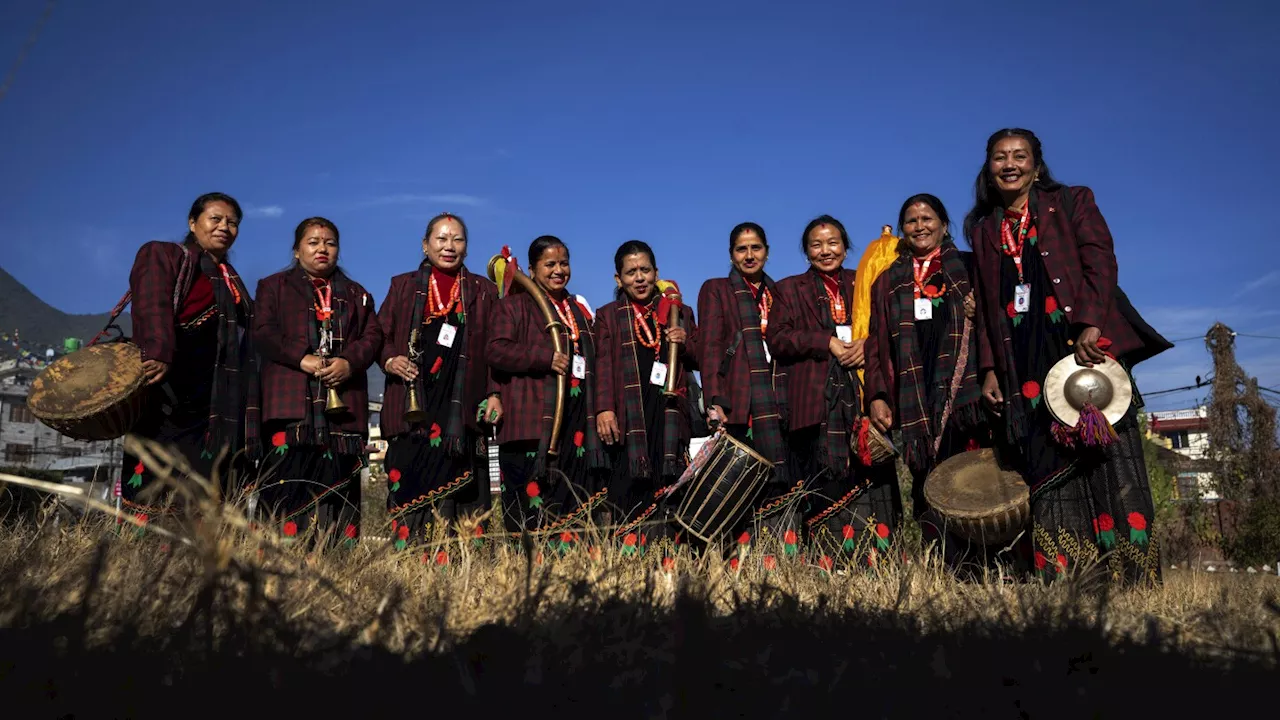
(269, 333)
(152, 281)
(364, 349)
(1096, 249)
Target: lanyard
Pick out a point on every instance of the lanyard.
(226, 277)
(566, 317)
(324, 301)
(920, 269)
(764, 301)
(1011, 245)
(835, 299)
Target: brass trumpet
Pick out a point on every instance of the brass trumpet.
(414, 412)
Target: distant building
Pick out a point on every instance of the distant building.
(28, 443)
(1186, 433)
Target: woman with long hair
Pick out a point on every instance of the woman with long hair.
(191, 314)
(646, 434)
(318, 332)
(1046, 272)
(436, 322)
(746, 392)
(922, 378)
(813, 340)
(546, 491)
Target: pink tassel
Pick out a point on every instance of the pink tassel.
(1094, 429)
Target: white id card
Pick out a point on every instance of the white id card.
(924, 309)
(768, 357)
(447, 334)
(844, 333)
(579, 367)
(1022, 298)
(658, 376)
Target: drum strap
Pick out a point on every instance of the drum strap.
(181, 286)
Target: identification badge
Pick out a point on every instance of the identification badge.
(1022, 298)
(844, 333)
(924, 309)
(658, 376)
(767, 356)
(579, 367)
(447, 334)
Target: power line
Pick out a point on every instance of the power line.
(26, 48)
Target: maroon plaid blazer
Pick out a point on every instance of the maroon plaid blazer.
(610, 390)
(801, 346)
(396, 318)
(520, 353)
(1079, 257)
(725, 381)
(152, 281)
(285, 307)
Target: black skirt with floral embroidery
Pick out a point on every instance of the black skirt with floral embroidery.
(1088, 506)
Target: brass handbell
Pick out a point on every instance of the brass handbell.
(334, 406)
(414, 413)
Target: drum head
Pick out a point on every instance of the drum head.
(86, 381)
(972, 485)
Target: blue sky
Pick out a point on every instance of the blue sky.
(665, 121)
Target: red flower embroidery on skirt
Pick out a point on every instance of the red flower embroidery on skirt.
(1010, 311)
(142, 518)
(290, 529)
(435, 431)
(138, 469)
(847, 532)
(566, 537)
(1137, 521)
(278, 439)
(1041, 560)
(883, 531)
(1050, 305)
(630, 540)
(733, 564)
(826, 563)
(352, 531)
(1062, 563)
(1105, 522)
(531, 489)
(402, 532)
(744, 538)
(770, 562)
(442, 558)
(789, 537)
(668, 563)
(1031, 389)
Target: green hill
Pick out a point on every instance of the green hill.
(39, 324)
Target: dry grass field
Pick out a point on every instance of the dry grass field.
(213, 616)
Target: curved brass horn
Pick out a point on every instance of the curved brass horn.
(554, 328)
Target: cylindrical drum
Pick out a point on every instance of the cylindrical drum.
(94, 393)
(978, 500)
(723, 487)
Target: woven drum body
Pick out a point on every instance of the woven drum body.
(95, 393)
(978, 500)
(723, 489)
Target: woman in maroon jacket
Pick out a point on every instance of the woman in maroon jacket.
(523, 366)
(317, 330)
(189, 306)
(920, 330)
(1046, 276)
(739, 375)
(813, 340)
(647, 434)
(436, 324)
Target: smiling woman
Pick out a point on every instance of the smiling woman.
(436, 408)
(189, 305)
(317, 329)
(1046, 271)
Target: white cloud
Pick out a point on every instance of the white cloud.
(438, 199)
(266, 211)
(1268, 279)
